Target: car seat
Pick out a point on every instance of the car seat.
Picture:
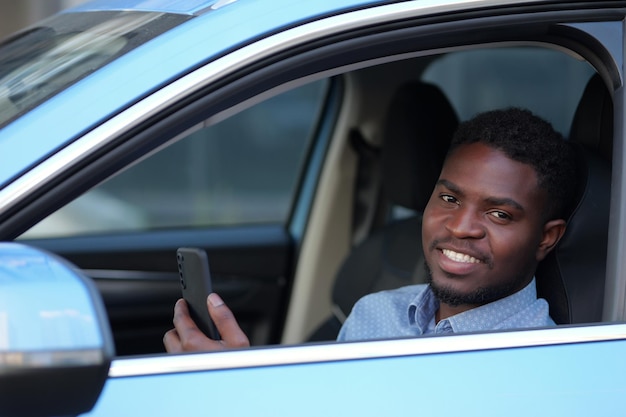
(571, 278)
(419, 126)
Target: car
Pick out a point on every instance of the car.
(296, 143)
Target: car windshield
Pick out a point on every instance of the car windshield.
(41, 61)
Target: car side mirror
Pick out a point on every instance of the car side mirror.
(55, 341)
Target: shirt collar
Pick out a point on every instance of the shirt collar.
(424, 306)
(422, 309)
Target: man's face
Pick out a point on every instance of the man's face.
(482, 226)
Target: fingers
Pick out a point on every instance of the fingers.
(171, 341)
(187, 337)
(227, 326)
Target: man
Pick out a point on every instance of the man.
(498, 208)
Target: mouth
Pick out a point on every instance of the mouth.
(460, 257)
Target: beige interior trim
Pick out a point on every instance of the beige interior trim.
(327, 239)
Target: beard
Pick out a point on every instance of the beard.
(477, 297)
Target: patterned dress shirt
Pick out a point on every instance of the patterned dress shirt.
(410, 311)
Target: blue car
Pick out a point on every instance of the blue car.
(296, 142)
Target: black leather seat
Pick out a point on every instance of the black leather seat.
(593, 121)
(419, 127)
(572, 277)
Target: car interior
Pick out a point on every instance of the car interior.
(419, 124)
(391, 125)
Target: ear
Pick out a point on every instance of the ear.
(552, 233)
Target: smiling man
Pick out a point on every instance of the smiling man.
(498, 208)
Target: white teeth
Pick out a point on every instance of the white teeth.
(460, 257)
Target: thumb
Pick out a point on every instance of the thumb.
(227, 326)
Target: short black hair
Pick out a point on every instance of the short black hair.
(529, 139)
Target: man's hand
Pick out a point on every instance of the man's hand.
(186, 337)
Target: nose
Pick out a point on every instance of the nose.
(464, 223)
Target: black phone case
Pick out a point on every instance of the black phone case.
(195, 282)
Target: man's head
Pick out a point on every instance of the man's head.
(498, 208)
(528, 139)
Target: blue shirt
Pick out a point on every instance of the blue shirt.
(410, 311)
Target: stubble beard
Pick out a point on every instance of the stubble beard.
(478, 297)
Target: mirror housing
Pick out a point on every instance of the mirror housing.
(56, 345)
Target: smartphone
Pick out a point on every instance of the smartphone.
(195, 282)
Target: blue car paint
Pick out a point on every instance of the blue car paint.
(58, 315)
(131, 77)
(562, 380)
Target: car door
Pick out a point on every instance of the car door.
(496, 374)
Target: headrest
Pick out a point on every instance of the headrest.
(419, 127)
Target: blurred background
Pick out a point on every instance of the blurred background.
(18, 14)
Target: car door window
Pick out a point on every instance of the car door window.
(242, 170)
(547, 81)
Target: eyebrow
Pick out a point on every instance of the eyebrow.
(496, 201)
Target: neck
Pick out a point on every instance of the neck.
(447, 310)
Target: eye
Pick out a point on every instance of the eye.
(449, 199)
(500, 215)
